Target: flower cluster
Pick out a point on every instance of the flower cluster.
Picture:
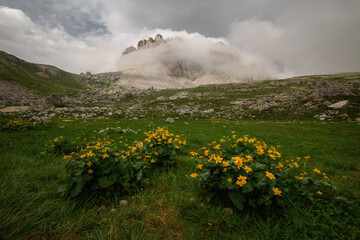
(249, 172)
(106, 163)
(18, 125)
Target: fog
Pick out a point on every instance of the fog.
(211, 56)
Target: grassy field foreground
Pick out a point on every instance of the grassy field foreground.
(170, 207)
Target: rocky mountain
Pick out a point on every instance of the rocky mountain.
(183, 63)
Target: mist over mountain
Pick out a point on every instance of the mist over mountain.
(189, 61)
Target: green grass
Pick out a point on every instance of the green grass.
(171, 207)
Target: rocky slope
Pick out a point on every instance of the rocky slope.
(322, 97)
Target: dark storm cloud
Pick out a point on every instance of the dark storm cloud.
(76, 17)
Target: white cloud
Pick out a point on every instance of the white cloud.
(52, 45)
(308, 38)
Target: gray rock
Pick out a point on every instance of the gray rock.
(124, 202)
(170, 120)
(330, 89)
(208, 111)
(339, 105)
(228, 210)
(327, 103)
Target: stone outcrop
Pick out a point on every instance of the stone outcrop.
(150, 42)
(129, 50)
(330, 89)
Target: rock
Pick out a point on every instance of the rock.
(160, 98)
(45, 120)
(35, 119)
(327, 103)
(54, 100)
(208, 111)
(170, 120)
(123, 202)
(339, 105)
(127, 51)
(357, 119)
(228, 210)
(330, 89)
(184, 109)
(344, 116)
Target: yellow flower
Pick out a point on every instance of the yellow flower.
(90, 171)
(194, 175)
(299, 178)
(307, 157)
(193, 153)
(277, 191)
(241, 180)
(152, 161)
(139, 145)
(226, 164)
(238, 161)
(105, 155)
(280, 165)
(317, 171)
(225, 170)
(199, 166)
(247, 169)
(67, 156)
(270, 175)
(217, 147)
(229, 179)
(318, 192)
(89, 163)
(206, 152)
(249, 158)
(218, 159)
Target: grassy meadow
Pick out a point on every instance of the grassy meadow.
(171, 206)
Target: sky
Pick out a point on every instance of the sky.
(297, 37)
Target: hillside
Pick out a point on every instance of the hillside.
(43, 79)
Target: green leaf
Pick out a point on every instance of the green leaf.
(237, 198)
(76, 188)
(259, 166)
(107, 181)
(139, 175)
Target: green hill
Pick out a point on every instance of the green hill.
(45, 79)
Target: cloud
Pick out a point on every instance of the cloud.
(210, 56)
(53, 45)
(308, 38)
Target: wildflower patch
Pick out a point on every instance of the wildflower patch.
(248, 173)
(111, 164)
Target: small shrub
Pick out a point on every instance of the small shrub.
(100, 165)
(106, 164)
(247, 172)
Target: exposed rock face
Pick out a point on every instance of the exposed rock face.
(330, 89)
(129, 50)
(54, 100)
(145, 44)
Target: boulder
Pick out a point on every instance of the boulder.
(339, 105)
(54, 100)
(170, 120)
